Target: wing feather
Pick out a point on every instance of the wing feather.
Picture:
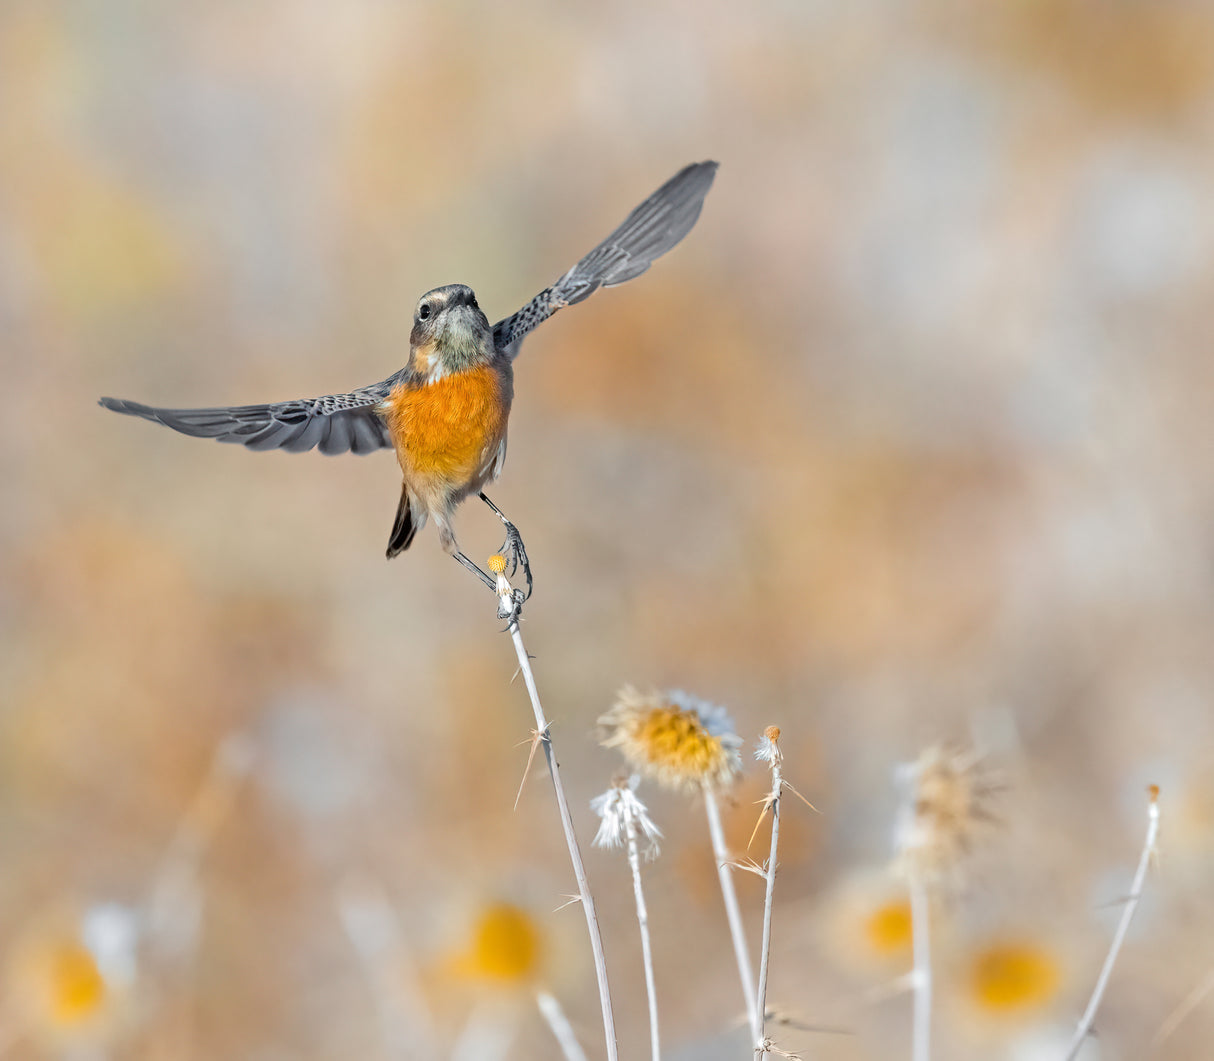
(335, 423)
(653, 228)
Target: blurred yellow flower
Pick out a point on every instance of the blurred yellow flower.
(679, 740)
(69, 977)
(1013, 978)
(866, 924)
(101, 245)
(506, 947)
(76, 990)
(889, 927)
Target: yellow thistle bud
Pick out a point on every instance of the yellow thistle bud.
(497, 563)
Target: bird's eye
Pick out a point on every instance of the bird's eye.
(472, 302)
(424, 312)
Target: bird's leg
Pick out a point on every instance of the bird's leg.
(512, 548)
(484, 576)
(446, 538)
(516, 595)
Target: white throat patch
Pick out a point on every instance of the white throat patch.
(437, 370)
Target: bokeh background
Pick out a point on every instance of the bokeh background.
(908, 442)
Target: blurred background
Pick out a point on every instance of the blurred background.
(908, 442)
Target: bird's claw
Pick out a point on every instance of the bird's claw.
(514, 551)
(511, 608)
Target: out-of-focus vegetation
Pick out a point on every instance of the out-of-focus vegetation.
(908, 442)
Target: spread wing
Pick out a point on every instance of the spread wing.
(652, 229)
(336, 423)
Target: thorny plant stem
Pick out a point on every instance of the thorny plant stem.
(634, 863)
(575, 855)
(765, 953)
(921, 979)
(562, 1030)
(1123, 926)
(721, 853)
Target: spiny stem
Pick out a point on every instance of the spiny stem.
(776, 782)
(922, 976)
(634, 863)
(721, 853)
(1123, 926)
(575, 854)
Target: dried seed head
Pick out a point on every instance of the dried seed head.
(681, 741)
(617, 807)
(947, 805)
(768, 749)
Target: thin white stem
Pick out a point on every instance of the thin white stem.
(634, 863)
(562, 1030)
(374, 931)
(487, 1035)
(1123, 926)
(721, 853)
(175, 896)
(922, 976)
(765, 953)
(575, 854)
(1186, 1006)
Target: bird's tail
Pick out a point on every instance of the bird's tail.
(405, 527)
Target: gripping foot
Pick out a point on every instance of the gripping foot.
(513, 548)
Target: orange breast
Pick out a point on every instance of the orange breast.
(449, 429)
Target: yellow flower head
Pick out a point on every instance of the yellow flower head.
(677, 739)
(75, 990)
(888, 928)
(866, 924)
(1011, 979)
(946, 806)
(71, 977)
(506, 946)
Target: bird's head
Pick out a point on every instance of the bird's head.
(450, 332)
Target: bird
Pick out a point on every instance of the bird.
(445, 412)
